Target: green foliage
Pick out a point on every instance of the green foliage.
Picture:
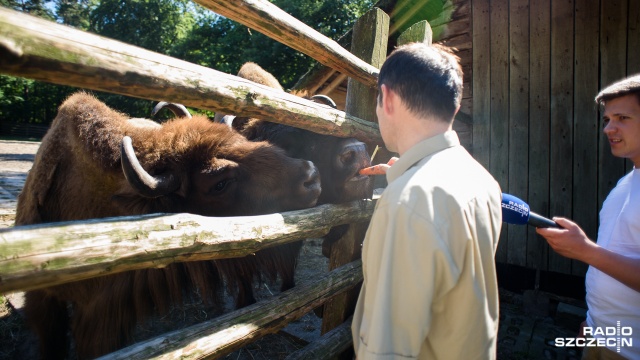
(152, 24)
(30, 101)
(409, 12)
(74, 12)
(225, 45)
(33, 7)
(179, 28)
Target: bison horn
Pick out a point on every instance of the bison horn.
(324, 99)
(224, 119)
(139, 178)
(178, 110)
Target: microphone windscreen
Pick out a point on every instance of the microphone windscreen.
(514, 210)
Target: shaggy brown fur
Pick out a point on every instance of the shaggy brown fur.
(337, 159)
(77, 175)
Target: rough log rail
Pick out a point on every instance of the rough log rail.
(43, 255)
(270, 20)
(329, 346)
(227, 333)
(43, 50)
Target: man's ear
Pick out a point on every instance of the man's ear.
(388, 99)
(456, 112)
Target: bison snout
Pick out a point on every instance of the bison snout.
(313, 177)
(353, 153)
(311, 186)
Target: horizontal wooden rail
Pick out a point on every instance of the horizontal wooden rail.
(227, 333)
(36, 256)
(329, 346)
(263, 16)
(35, 48)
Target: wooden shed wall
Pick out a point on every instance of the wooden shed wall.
(537, 66)
(532, 69)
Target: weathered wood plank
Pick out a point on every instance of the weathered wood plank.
(518, 121)
(328, 346)
(633, 48)
(43, 50)
(585, 123)
(220, 336)
(460, 42)
(42, 255)
(613, 50)
(370, 36)
(562, 52)
(481, 82)
(499, 131)
(539, 119)
(270, 20)
(452, 28)
(633, 38)
(418, 32)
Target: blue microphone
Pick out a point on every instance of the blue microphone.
(515, 211)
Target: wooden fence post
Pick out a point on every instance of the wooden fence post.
(361, 101)
(418, 32)
(370, 35)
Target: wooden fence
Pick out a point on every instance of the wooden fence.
(42, 255)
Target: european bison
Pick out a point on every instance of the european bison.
(185, 165)
(337, 159)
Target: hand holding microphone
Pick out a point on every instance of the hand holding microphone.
(515, 211)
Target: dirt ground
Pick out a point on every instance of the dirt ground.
(529, 321)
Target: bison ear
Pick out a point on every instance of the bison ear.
(145, 184)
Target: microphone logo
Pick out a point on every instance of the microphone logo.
(519, 208)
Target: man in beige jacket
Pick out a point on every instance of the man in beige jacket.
(430, 288)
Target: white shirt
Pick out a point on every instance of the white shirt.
(609, 300)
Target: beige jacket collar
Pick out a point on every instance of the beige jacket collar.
(420, 151)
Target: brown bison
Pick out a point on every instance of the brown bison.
(337, 159)
(95, 162)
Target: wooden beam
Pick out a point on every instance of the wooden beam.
(561, 129)
(585, 124)
(334, 84)
(42, 255)
(418, 32)
(43, 50)
(518, 122)
(539, 130)
(370, 36)
(329, 346)
(227, 333)
(272, 21)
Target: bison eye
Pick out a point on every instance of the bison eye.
(220, 186)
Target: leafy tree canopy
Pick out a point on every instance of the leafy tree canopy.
(179, 28)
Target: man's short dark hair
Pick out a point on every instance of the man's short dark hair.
(428, 79)
(628, 86)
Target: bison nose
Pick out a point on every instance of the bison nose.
(353, 152)
(313, 177)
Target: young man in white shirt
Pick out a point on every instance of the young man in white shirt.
(613, 278)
